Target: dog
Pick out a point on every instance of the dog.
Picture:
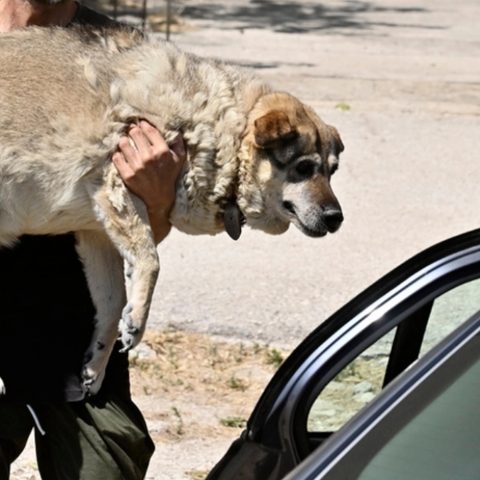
(255, 156)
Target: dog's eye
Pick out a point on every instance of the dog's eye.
(305, 168)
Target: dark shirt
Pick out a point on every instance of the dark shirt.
(46, 313)
(87, 16)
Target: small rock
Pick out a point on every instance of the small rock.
(142, 352)
(362, 387)
(364, 398)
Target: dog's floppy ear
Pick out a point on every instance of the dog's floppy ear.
(272, 128)
(336, 147)
(338, 144)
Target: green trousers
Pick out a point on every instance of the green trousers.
(103, 438)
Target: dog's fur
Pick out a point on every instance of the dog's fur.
(67, 96)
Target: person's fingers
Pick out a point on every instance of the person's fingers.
(128, 148)
(122, 165)
(152, 135)
(149, 144)
(140, 145)
(178, 147)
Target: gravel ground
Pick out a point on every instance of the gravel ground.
(400, 81)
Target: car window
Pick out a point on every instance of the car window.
(432, 433)
(352, 388)
(362, 379)
(449, 311)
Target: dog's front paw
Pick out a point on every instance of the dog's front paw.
(92, 380)
(2, 387)
(130, 332)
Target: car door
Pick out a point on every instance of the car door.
(373, 338)
(425, 424)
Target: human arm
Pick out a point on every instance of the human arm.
(150, 170)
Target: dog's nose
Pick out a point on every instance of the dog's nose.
(333, 218)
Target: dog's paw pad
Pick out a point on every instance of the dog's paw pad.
(130, 331)
(88, 375)
(92, 381)
(130, 339)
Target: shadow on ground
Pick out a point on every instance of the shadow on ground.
(351, 17)
(297, 17)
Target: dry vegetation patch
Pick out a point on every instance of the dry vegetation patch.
(189, 385)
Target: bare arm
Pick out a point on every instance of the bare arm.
(150, 170)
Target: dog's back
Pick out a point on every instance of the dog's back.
(45, 64)
(55, 92)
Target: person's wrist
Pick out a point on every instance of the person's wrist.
(159, 210)
(159, 217)
(161, 205)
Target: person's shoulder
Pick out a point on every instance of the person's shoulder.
(85, 16)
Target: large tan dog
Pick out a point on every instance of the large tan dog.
(254, 156)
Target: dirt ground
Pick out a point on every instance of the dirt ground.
(400, 81)
(197, 394)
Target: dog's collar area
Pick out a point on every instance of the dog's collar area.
(233, 219)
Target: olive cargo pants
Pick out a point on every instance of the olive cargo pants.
(103, 438)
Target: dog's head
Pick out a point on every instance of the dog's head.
(285, 176)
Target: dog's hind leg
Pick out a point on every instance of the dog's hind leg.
(103, 268)
(126, 222)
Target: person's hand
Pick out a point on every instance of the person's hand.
(150, 169)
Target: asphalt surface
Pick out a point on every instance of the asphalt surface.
(401, 82)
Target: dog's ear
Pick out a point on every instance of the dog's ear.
(337, 141)
(336, 147)
(273, 128)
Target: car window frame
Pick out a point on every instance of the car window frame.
(391, 311)
(318, 465)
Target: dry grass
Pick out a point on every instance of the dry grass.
(192, 384)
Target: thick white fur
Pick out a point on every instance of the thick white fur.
(66, 98)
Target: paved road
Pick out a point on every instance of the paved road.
(410, 73)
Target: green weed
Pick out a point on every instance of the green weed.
(233, 422)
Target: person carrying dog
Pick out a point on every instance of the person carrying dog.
(47, 314)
